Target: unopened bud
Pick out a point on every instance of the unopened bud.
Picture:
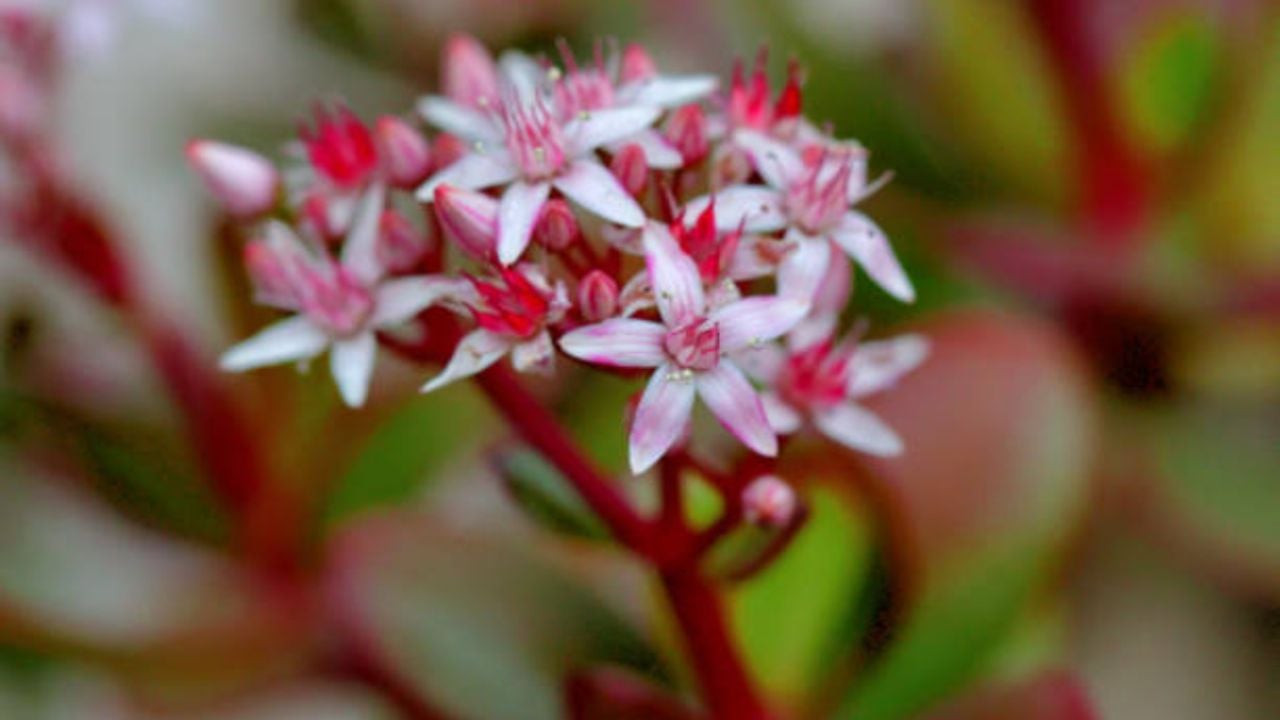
(470, 76)
(405, 153)
(631, 167)
(597, 296)
(768, 501)
(400, 245)
(557, 227)
(637, 64)
(686, 130)
(470, 219)
(244, 182)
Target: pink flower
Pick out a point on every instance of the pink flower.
(512, 315)
(822, 382)
(339, 305)
(244, 182)
(769, 501)
(809, 195)
(689, 350)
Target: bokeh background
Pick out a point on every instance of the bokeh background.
(1086, 193)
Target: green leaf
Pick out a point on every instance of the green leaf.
(1167, 81)
(547, 497)
(789, 618)
(412, 446)
(483, 628)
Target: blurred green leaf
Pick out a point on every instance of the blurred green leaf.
(1167, 79)
(789, 617)
(546, 496)
(410, 448)
(484, 628)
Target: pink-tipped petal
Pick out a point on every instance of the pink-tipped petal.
(753, 208)
(399, 300)
(351, 362)
(661, 416)
(856, 428)
(360, 250)
(867, 244)
(470, 77)
(286, 341)
(804, 268)
(777, 163)
(658, 153)
(589, 184)
(637, 64)
(618, 343)
(474, 171)
(602, 127)
(244, 182)
(879, 364)
(783, 418)
(753, 321)
(474, 354)
(835, 288)
(517, 212)
(677, 286)
(458, 119)
(729, 395)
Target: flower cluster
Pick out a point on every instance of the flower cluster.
(633, 221)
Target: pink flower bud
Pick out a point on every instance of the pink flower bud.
(400, 245)
(557, 227)
(769, 501)
(686, 130)
(405, 153)
(470, 76)
(631, 167)
(597, 296)
(470, 219)
(270, 277)
(244, 182)
(637, 64)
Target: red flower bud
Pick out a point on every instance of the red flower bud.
(405, 153)
(557, 227)
(597, 296)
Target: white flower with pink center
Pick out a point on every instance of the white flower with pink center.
(822, 381)
(340, 304)
(689, 350)
(809, 195)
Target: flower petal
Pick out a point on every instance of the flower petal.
(668, 91)
(878, 364)
(753, 321)
(473, 171)
(783, 418)
(754, 208)
(778, 163)
(286, 341)
(522, 73)
(856, 428)
(730, 396)
(589, 184)
(399, 300)
(802, 271)
(620, 342)
(476, 352)
(601, 127)
(658, 153)
(660, 418)
(360, 249)
(867, 244)
(458, 119)
(517, 214)
(762, 363)
(535, 355)
(677, 286)
(351, 362)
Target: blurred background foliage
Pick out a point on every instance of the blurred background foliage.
(1088, 513)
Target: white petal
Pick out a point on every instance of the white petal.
(592, 186)
(762, 363)
(360, 250)
(620, 342)
(778, 163)
(473, 171)
(285, 341)
(458, 119)
(756, 320)
(522, 73)
(517, 214)
(731, 398)
(866, 243)
(399, 300)
(658, 153)
(815, 328)
(351, 362)
(668, 91)
(878, 364)
(476, 352)
(782, 417)
(858, 429)
(677, 287)
(661, 416)
(601, 127)
(755, 208)
(802, 271)
(757, 256)
(534, 355)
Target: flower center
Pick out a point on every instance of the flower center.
(583, 91)
(517, 308)
(694, 345)
(815, 377)
(335, 300)
(820, 196)
(340, 147)
(533, 137)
